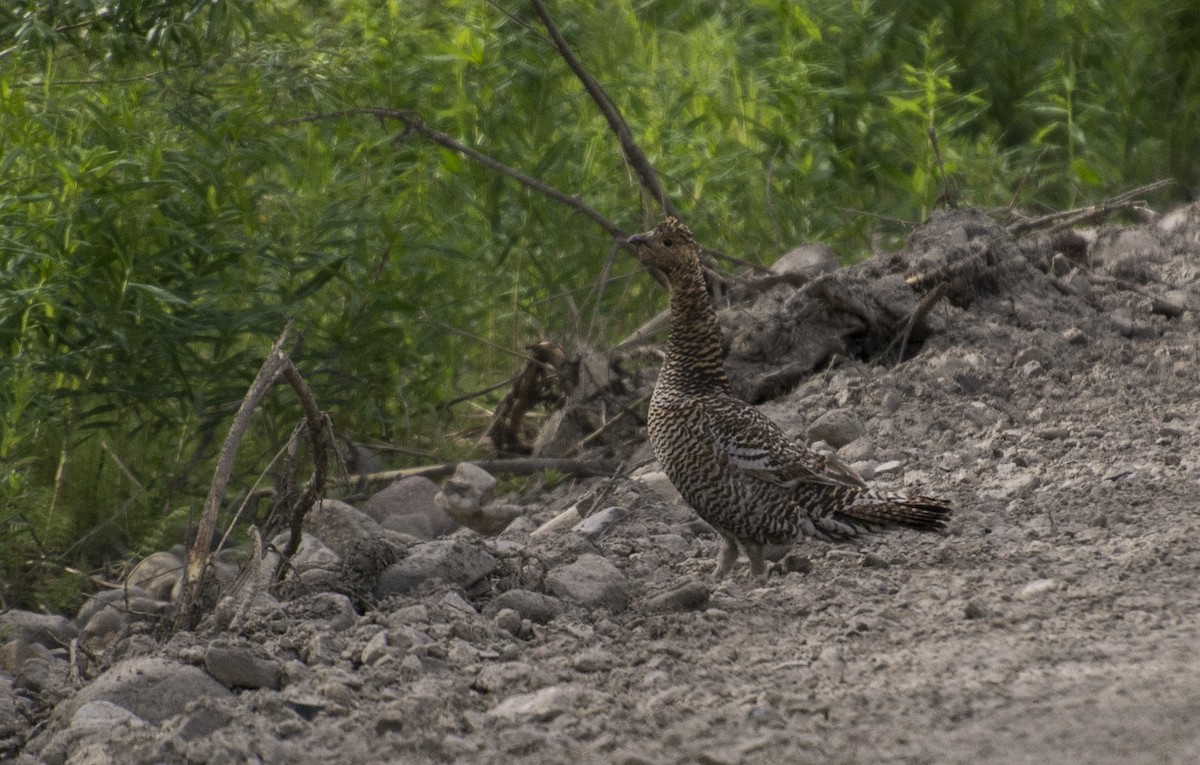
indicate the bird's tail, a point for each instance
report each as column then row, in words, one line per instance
column 892, row 509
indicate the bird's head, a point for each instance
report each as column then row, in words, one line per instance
column 667, row 247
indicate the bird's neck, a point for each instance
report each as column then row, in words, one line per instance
column 695, row 361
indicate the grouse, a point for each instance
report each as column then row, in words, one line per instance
column 732, row 464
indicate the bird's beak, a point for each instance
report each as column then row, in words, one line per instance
column 637, row 239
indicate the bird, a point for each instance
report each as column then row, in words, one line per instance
column 732, row 464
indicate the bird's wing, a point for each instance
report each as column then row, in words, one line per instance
column 763, row 451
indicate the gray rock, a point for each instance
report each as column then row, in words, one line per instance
column 891, row 467
column 203, row 721
column 103, row 715
column 14, row 653
column 152, row 688
column 413, row 525
column 503, row 676
column 691, row 596
column 836, row 428
column 11, row 723
column 326, row 610
column 538, row 706
column 236, row 666
column 595, row 524
column 593, row 660
column 46, row 679
column 313, row 555
column 345, row 529
column 657, row 481
column 858, row 450
column 591, row 581
column 567, row 518
column 29, row 627
column 1123, row 322
column 456, row 561
column 537, row 607
column 408, row 505
column 156, row 574
column 977, row 608
column 807, row 260
column 82, row 739
column 376, row 649
column 466, row 495
column 509, row 620
column 1075, row 336
column 104, row 626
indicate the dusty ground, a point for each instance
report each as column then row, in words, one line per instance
column 1058, row 621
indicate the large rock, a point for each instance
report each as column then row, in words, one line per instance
column 105, row 624
column 591, row 581
column 535, row 606
column 456, row 561
column 466, row 497
column 836, row 428
column 238, row 666
column 152, row 688
column 809, row 260
column 408, row 506
column 344, row 528
column 29, row 627
column 157, row 574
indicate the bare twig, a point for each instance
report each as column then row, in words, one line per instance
column 949, row 193
column 925, row 306
column 319, row 429
column 1025, row 178
column 598, row 432
column 519, row 466
column 121, row 466
column 633, row 153
column 413, row 123
column 1058, row 221
column 187, row 614
column 598, row 290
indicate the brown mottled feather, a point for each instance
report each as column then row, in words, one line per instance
column 732, row 464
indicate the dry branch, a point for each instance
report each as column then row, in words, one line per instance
column 413, row 123
column 1059, row 221
column 187, row 614
column 520, row 466
column 633, row 152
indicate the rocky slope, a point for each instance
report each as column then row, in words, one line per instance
column 1048, row 386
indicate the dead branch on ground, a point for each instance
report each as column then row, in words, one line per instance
column 1064, row 219
column 197, row 575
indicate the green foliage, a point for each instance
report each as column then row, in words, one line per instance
column 163, row 213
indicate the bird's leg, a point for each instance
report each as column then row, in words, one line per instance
column 758, row 566
column 728, row 556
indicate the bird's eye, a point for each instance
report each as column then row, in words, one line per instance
column 668, row 242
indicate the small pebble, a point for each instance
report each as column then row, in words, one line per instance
column 976, row 609
column 508, row 620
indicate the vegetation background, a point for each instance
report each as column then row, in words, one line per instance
column 163, row 214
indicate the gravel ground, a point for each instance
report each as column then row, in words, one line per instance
column 1054, row 401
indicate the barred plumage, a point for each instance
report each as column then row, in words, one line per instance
column 735, row 467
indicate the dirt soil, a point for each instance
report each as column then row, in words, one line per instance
column 1050, row 393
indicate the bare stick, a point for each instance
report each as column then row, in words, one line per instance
column 1067, row 218
column 611, row 113
column 598, row 290
column 949, row 193
column 412, row 122
column 1025, row 178
column 187, row 615
column 318, row 427
column 521, row 466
